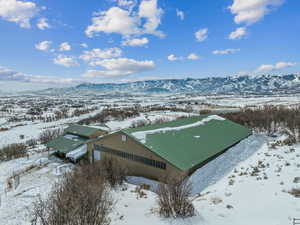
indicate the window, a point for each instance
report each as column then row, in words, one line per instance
column 132, row 157
column 124, row 138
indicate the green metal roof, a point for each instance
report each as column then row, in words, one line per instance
column 188, row 142
column 84, row 131
column 65, row 145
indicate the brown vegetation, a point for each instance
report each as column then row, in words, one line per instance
column 295, row 192
column 48, row 135
column 13, row 151
column 113, row 113
column 113, row 172
column 129, row 112
column 174, row 198
column 269, row 119
column 82, row 197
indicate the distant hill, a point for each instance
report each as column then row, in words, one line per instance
column 262, row 84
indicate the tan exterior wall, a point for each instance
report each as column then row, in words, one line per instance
column 114, row 141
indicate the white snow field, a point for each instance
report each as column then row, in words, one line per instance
column 232, row 190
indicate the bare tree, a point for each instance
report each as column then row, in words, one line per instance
column 48, row 135
column 269, row 119
column 174, row 198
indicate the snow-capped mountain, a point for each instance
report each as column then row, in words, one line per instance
column 263, row 84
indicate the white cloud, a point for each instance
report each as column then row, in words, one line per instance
column 43, row 46
column 180, row 14
column 66, row 61
column 238, row 33
column 282, row 65
column 43, row 24
column 114, row 20
column 265, row 68
column 65, row 46
column 172, row 57
column 277, row 66
column 97, row 54
column 84, row 45
column 128, row 4
column 201, row 34
column 251, row 11
column 104, row 73
column 19, row 12
column 135, row 42
column 148, row 9
column 10, row 75
column 119, row 67
column 226, row 51
column 6, row 73
column 193, row 56
column 126, row 22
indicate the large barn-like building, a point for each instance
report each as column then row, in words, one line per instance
column 175, row 148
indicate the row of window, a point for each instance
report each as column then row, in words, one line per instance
column 129, row 156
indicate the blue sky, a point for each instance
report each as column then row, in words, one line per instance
column 122, row 40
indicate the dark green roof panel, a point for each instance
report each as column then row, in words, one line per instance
column 84, row 131
column 188, row 142
column 65, row 145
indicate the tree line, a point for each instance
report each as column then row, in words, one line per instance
column 270, row 119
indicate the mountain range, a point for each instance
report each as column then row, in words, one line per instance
column 262, row 84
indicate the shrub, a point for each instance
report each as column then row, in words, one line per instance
column 31, row 143
column 48, row 135
column 173, row 198
column 13, row 151
column 295, row 192
column 83, row 197
column 113, row 172
column 205, row 111
column 139, row 123
column 111, row 113
column 270, row 119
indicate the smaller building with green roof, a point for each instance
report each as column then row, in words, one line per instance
column 72, row 143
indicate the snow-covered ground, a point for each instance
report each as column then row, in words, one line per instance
column 33, row 130
column 246, row 101
column 2, row 121
column 16, row 203
column 151, row 116
column 232, row 191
